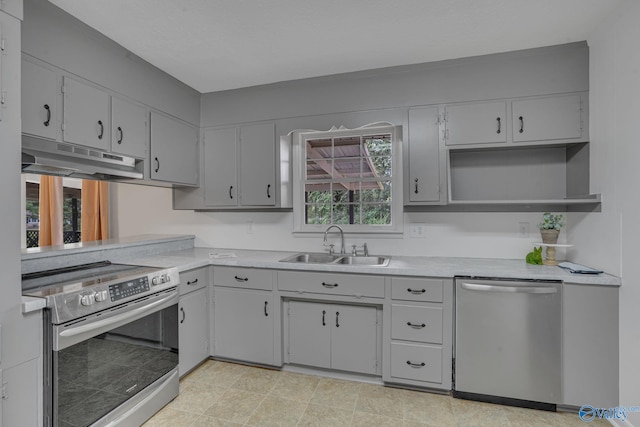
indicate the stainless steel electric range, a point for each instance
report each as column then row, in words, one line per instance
column 110, row 342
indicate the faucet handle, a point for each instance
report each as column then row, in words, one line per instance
column 354, row 250
column 331, row 250
column 365, row 249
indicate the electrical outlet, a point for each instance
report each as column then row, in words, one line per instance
column 418, row 231
column 250, row 227
column 523, row 229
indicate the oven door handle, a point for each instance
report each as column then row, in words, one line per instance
column 117, row 320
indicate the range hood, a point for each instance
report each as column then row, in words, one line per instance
column 54, row 158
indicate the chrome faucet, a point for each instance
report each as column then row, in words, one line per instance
column 324, row 241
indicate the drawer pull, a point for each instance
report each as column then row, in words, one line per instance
column 337, row 319
column 192, row 282
column 416, row 325
column 241, row 279
column 416, row 291
column 48, row 121
column 329, row 285
column 266, row 313
column 324, row 312
column 415, row 365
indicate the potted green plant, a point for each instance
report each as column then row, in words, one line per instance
column 550, row 227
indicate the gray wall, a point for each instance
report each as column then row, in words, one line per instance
column 54, row 36
column 555, row 69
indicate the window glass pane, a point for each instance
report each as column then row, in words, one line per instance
column 347, row 147
column 376, row 192
column 344, row 213
column 318, row 193
column 318, row 214
column 377, row 167
column 318, row 169
column 377, row 145
column 319, row 148
column 376, row 214
column 347, row 167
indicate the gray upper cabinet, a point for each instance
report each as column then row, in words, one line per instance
column 424, row 178
column 129, row 128
column 12, row 7
column 548, row 118
column 220, row 180
column 257, row 165
column 40, row 89
column 174, row 151
column 86, row 115
column 240, row 167
column 477, row 123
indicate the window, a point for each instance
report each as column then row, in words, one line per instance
column 71, row 205
column 348, row 177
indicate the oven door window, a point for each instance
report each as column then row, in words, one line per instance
column 95, row 376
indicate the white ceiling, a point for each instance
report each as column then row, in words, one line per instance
column 214, row 45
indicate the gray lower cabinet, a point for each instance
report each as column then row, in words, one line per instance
column 19, row 405
column 419, row 333
column 193, row 318
column 424, row 180
column 590, row 348
column 174, row 150
column 85, row 115
column 40, row 89
column 334, row 336
column 244, row 325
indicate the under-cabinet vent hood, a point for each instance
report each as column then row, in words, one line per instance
column 53, row 158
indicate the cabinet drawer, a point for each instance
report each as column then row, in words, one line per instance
column 241, row 277
column 416, row 362
column 193, row 279
column 411, row 289
column 415, row 323
column 335, row 284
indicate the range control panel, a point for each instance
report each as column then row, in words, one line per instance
column 122, row 290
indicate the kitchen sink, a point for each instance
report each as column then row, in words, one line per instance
column 381, row 261
column 320, row 258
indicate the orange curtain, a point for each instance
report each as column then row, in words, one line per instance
column 95, row 210
column 50, row 211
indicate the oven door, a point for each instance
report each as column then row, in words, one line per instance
column 102, row 364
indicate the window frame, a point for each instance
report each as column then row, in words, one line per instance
column 299, row 175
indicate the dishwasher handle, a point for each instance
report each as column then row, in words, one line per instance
column 511, row 289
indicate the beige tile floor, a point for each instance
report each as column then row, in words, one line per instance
column 227, row 394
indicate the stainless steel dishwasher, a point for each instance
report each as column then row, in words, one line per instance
column 508, row 342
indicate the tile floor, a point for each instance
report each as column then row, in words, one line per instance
column 227, row 394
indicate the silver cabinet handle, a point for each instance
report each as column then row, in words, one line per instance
column 416, row 325
column 230, row 190
column 266, row 313
column 184, row 315
column 329, row 285
column 499, row 125
column 416, row 291
column 268, row 191
column 324, row 312
column 119, row 141
column 241, row 279
column 416, row 184
column 337, row 319
column 511, row 289
column 521, row 124
column 101, row 129
column 193, row 282
column 415, row 365
column 157, row 164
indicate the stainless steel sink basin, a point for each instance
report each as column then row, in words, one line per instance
column 320, row 258
column 381, row 261
column 312, row 258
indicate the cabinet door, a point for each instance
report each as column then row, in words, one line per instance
column 40, row 90
column 354, row 343
column 220, row 183
column 129, row 135
column 19, row 402
column 85, row 115
column 424, row 156
column 174, row 151
column 481, row 123
column 257, row 165
column 557, row 117
column 243, row 322
column 194, row 332
column 310, row 334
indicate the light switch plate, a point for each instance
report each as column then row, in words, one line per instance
column 418, row 230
